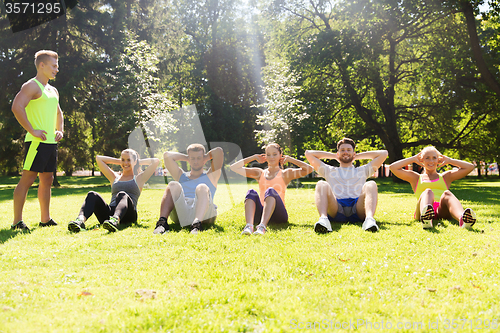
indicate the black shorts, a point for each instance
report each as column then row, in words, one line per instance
column 40, row 157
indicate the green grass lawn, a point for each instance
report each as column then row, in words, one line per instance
column 218, row 280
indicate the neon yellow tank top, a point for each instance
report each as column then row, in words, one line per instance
column 42, row 114
column 437, row 186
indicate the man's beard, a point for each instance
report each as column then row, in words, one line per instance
column 196, row 170
column 346, row 159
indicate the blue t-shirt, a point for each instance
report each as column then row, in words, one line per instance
column 189, row 185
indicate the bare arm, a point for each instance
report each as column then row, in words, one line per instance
column 464, row 168
column 143, row 177
column 28, row 91
column 59, row 124
column 292, row 173
column 216, row 156
column 314, row 157
column 239, row 166
column 102, row 163
column 171, row 158
column 407, row 175
column 377, row 156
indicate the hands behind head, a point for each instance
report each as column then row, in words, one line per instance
column 443, row 160
column 261, row 158
column 284, row 159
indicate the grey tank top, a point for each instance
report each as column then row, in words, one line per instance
column 130, row 187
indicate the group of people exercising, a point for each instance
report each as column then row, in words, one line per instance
column 344, row 196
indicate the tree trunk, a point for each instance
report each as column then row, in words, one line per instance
column 486, row 75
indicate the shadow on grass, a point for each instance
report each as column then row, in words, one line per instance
column 6, row 234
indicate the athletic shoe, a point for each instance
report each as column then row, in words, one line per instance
column 261, row 229
column 50, row 223
column 161, row 226
column 323, row 225
column 111, row 225
column 20, row 226
column 370, row 225
column 248, row 230
column 196, row 227
column 468, row 219
column 76, row 225
column 426, row 216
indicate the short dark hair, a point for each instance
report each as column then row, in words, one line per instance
column 196, row 147
column 346, row 141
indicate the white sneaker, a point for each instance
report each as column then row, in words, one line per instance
column 248, row 230
column 426, row 216
column 323, row 225
column 261, row 229
column 468, row 219
column 370, row 225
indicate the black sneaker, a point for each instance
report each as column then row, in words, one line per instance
column 20, row 226
column 161, row 226
column 111, row 225
column 76, row 226
column 50, row 223
column 196, row 227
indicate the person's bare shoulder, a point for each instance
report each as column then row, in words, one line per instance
column 31, row 89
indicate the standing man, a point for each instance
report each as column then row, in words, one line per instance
column 36, row 108
column 345, row 196
column 190, row 197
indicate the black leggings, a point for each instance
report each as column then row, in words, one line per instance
column 95, row 204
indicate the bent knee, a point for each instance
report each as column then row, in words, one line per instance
column 370, row 185
column 91, row 194
column 322, row 185
column 173, row 185
column 446, row 194
column 202, row 188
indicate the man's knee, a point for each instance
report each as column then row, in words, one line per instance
column 370, row 186
column 202, row 189
column 322, row 187
column 174, row 188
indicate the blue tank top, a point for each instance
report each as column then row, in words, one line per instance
column 189, row 185
column 129, row 186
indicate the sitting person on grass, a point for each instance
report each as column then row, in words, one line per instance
column 435, row 200
column 273, row 181
column 346, row 196
column 125, row 191
column 188, row 200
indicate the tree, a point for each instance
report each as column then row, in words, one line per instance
column 377, row 69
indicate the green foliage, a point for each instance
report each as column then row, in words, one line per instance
column 282, row 110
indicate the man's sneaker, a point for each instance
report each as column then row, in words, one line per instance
column 248, row 230
column 76, row 225
column 261, row 229
column 111, row 225
column 161, row 226
column 468, row 219
column 370, row 225
column 50, row 223
column 426, row 216
column 20, row 226
column 196, row 227
column 323, row 225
